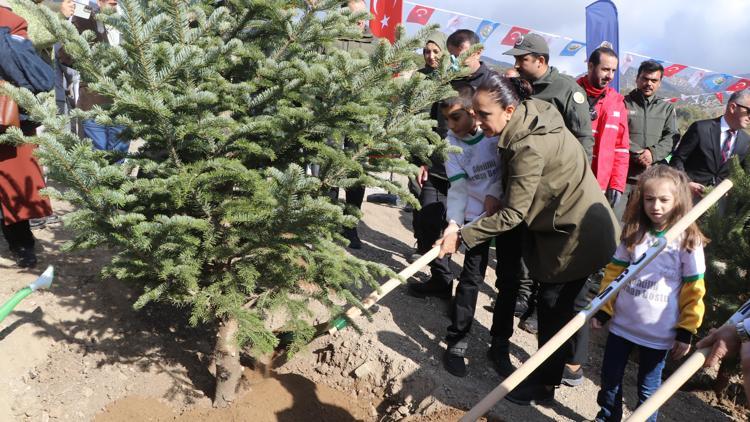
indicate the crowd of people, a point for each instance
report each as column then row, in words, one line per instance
column 570, row 179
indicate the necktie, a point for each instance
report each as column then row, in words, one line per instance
column 726, row 149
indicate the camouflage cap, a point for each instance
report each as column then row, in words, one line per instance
column 528, row 43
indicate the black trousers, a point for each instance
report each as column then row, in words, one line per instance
column 355, row 195
column 465, row 302
column 428, row 224
column 512, row 280
column 555, row 308
column 18, row 235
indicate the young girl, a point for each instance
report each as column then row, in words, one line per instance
column 663, row 307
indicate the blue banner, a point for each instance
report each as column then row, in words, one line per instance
column 572, row 48
column 485, row 29
column 602, row 29
column 716, row 81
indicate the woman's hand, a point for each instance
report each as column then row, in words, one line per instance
column 449, row 243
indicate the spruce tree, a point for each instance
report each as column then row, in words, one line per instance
column 727, row 262
column 215, row 213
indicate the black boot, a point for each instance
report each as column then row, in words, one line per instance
column 453, row 359
column 353, row 237
column 25, row 256
column 499, row 356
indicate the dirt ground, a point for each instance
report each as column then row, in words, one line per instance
column 79, row 352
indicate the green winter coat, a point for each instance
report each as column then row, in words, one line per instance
column 549, row 186
column 653, row 125
column 569, row 98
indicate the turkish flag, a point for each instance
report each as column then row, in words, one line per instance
column 720, row 96
column 420, row 14
column 739, row 85
column 512, row 36
column 386, row 16
column 673, row 69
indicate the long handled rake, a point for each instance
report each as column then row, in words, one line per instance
column 580, row 319
column 682, row 374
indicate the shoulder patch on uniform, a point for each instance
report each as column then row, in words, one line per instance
column 578, row 97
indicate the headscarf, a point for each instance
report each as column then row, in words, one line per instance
column 438, row 38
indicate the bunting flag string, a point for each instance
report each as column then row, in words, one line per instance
column 697, row 83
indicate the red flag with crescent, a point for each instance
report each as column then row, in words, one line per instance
column 420, row 14
column 673, row 69
column 513, row 34
column 739, row 85
column 386, row 16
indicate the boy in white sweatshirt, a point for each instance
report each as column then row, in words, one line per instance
column 475, row 188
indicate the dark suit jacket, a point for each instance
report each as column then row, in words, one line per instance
column 699, row 152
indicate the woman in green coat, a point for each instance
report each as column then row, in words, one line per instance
column 550, row 189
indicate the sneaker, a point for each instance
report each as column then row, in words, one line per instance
column 25, row 256
column 527, row 394
column 37, row 223
column 430, row 288
column 572, row 378
column 353, row 237
column 529, row 325
column 53, row 219
column 499, row 356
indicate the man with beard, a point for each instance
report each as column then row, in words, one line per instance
column 609, row 124
column 609, row 162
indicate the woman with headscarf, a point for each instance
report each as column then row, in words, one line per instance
column 431, row 187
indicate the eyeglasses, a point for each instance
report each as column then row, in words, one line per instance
column 746, row 108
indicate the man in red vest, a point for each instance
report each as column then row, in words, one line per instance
column 609, row 161
column 609, row 124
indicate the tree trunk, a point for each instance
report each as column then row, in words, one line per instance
column 228, row 370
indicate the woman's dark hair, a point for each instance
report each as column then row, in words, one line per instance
column 506, row 91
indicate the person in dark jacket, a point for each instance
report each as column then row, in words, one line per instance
column 550, row 189
column 652, row 124
column 431, row 187
column 708, row 145
column 430, row 221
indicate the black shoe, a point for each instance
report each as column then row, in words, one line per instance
column 25, row 256
column 572, row 378
column 527, row 394
column 413, row 257
column 431, row 288
column 453, row 359
column 522, row 306
column 499, row 357
column 351, row 235
column 529, row 325
column 454, row 364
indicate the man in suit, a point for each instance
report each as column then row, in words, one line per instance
column 705, row 149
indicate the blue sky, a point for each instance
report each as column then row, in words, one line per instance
column 713, row 35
